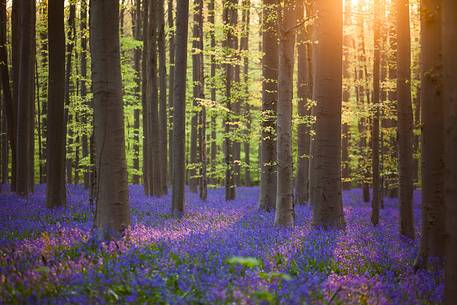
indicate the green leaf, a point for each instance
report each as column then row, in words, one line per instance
column 249, row 262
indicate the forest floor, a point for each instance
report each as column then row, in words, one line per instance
column 218, row 253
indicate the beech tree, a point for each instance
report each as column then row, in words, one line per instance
column 267, row 197
column 25, row 75
column 230, row 19
column 9, row 110
column 433, row 237
column 197, row 141
column 449, row 43
column 304, row 94
column 55, row 154
column 375, row 203
column 112, row 214
column 179, row 107
column 405, row 119
column 327, row 92
column 284, row 202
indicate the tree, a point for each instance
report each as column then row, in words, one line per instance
column 376, row 113
column 198, row 95
column 71, row 35
column 347, row 43
column 136, row 18
column 244, row 48
column 213, row 145
column 9, row 108
column 268, row 180
column 326, row 148
column 83, row 88
column 112, row 214
column 153, row 183
column 405, row 119
column 284, row 203
column 179, row 107
column 230, row 19
column 163, row 115
column 433, row 213
column 25, row 96
column 449, row 43
column 55, row 155
column 304, row 94
column 171, row 80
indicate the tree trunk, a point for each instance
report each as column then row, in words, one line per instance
column 230, row 48
column 136, row 18
column 326, row 150
column 55, row 155
column 347, row 43
column 213, row 145
column 83, row 89
column 376, row 113
column 163, row 115
column 405, row 119
column 179, row 107
column 71, row 35
column 197, row 48
column 25, row 97
column 152, row 138
column 171, row 80
column 270, row 59
column 112, row 213
column 199, row 94
column 284, row 214
column 9, row 107
column 449, row 40
column 244, row 47
column 433, row 239
column 304, row 92
column 145, row 52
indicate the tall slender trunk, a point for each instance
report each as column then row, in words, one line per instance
column 284, row 214
column 112, row 212
column 270, row 59
column 15, row 54
column 25, row 97
column 326, row 149
column 304, row 94
column 55, row 156
column 9, row 107
column 145, row 52
column 392, row 181
column 68, row 88
column 230, row 48
column 179, row 107
column 213, row 145
column 171, row 80
column 199, row 94
column 376, row 113
column 83, row 89
column 152, row 138
column 433, row 239
column 347, row 43
column 163, row 113
column 136, row 18
column 194, row 163
column 244, row 47
column 405, row 119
